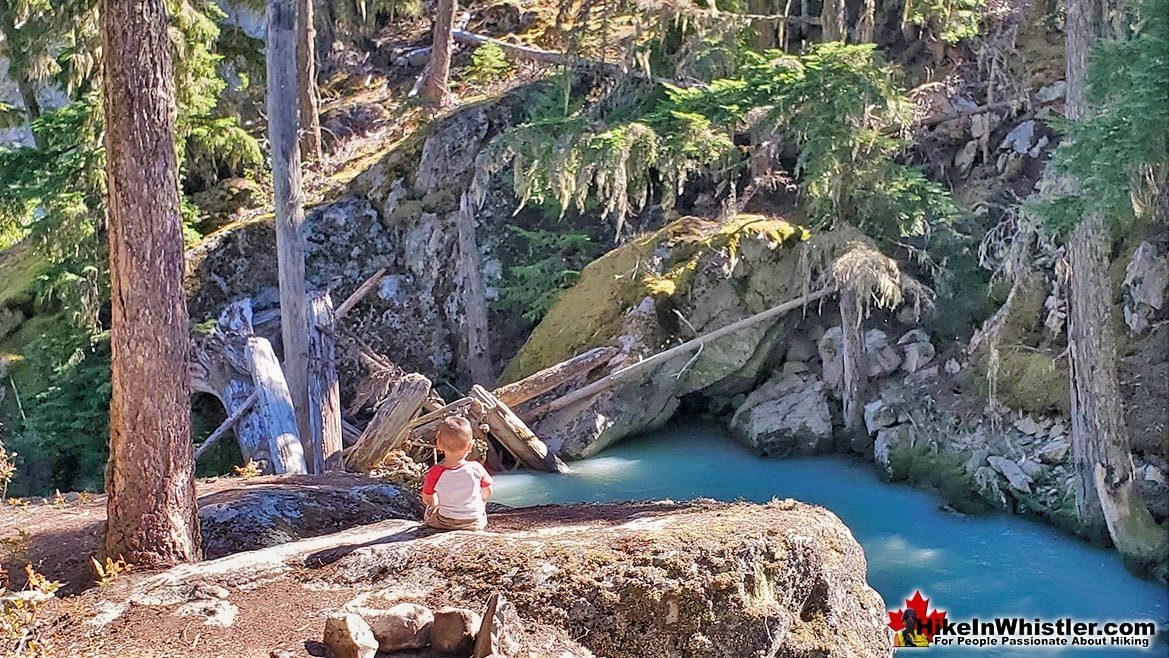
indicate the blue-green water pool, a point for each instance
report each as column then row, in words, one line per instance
column 981, row 567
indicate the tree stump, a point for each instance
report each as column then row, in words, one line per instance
column 323, row 390
column 390, row 424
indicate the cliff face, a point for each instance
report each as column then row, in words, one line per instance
column 636, row 580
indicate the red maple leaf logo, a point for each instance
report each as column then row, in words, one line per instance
column 930, row 621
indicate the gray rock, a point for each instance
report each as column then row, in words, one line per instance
column 1015, row 476
column 882, row 357
column 1031, row 467
column 953, row 367
column 1054, row 451
column 277, row 509
column 800, row 349
column 914, row 336
column 404, row 626
column 889, row 440
column 348, row 636
column 1028, row 425
column 453, row 631
column 879, row 415
column 1052, row 92
column 794, row 367
column 917, row 355
column 831, row 347
column 1021, row 138
column 215, row 612
column 964, row 159
column 1039, row 146
column 1145, row 280
column 788, row 414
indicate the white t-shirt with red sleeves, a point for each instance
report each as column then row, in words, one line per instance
column 459, row 489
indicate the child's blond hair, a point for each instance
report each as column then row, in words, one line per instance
column 454, row 433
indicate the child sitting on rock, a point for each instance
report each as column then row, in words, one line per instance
column 455, row 491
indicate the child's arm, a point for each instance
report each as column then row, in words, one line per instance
column 485, row 482
column 429, row 497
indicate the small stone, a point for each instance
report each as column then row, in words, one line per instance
column 1020, row 139
column 215, row 612
column 953, row 367
column 794, row 367
column 1031, row 467
column 404, row 626
column 1028, row 426
column 878, row 416
column 453, row 631
column 1039, row 146
column 914, row 336
column 964, row 159
column 1057, row 430
column 1052, row 92
column 917, row 355
column 1015, row 476
column 881, row 356
column 349, row 636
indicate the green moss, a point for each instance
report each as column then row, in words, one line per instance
column 590, row 313
column 20, row 266
column 945, row 472
column 1029, row 380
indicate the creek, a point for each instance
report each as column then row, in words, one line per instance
column 969, row 566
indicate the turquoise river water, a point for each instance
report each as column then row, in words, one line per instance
column 981, row 567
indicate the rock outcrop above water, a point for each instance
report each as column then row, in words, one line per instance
column 644, row 580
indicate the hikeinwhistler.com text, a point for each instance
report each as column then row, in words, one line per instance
column 1020, row 632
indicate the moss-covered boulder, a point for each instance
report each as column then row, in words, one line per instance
column 689, row 278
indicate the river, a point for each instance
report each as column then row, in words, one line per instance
column 985, row 566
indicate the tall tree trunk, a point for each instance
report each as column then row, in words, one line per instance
column 286, row 184
column 1106, row 495
column 436, row 87
column 16, row 69
column 152, row 517
column 855, row 376
column 477, row 355
column 832, row 21
column 306, row 71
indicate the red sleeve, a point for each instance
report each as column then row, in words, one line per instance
column 485, row 479
column 431, row 479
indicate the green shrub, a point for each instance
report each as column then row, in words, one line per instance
column 488, row 63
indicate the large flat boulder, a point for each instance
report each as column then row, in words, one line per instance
column 631, row 580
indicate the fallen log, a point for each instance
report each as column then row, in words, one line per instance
column 514, row 435
column 359, row 294
column 549, row 378
column 476, row 342
column 274, row 408
column 226, row 425
column 621, row 375
column 324, row 395
column 390, row 425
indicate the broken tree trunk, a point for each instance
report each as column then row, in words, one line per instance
column 274, row 408
column 390, row 424
column 539, row 383
column 514, row 435
column 477, row 359
column 658, row 359
column 323, row 390
column 855, row 376
column 220, row 368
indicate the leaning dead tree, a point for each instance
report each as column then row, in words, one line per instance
column 240, row 369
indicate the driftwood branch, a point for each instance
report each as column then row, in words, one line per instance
column 390, row 425
column 226, row 425
column 275, row 410
column 621, row 375
column 514, row 434
column 359, row 294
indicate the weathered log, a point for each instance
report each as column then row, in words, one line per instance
column 549, row 378
column 323, row 389
column 515, row 436
column 359, row 294
column 658, row 359
column 390, row 424
column 350, row 433
column 476, row 359
column 226, row 425
column 219, row 367
column 274, row 408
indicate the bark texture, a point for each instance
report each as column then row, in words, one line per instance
column 306, row 71
column 436, row 87
column 855, row 369
column 289, row 202
column 324, row 389
column 1105, row 488
column 152, row 517
column 477, row 345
